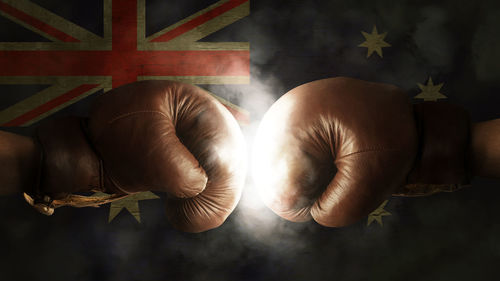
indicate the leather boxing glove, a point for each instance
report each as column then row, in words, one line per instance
column 146, row 136
column 334, row 149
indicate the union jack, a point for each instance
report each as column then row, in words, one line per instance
column 77, row 63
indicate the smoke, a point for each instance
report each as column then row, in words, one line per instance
column 444, row 237
column 485, row 48
column 253, row 226
column 433, row 39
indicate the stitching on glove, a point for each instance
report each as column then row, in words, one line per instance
column 369, row 150
column 136, row 112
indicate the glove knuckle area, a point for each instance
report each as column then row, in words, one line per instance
column 216, row 141
column 178, row 139
column 208, row 209
column 292, row 172
column 362, row 182
column 142, row 152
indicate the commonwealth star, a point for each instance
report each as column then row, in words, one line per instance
column 378, row 214
column 130, row 203
column 374, row 42
column 430, row 92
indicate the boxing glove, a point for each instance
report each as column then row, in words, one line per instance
column 335, row 149
column 158, row 136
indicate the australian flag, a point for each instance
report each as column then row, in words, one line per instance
column 56, row 56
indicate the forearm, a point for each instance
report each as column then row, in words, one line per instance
column 485, row 149
column 18, row 162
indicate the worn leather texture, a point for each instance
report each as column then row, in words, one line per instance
column 158, row 136
column 69, row 164
column 335, row 149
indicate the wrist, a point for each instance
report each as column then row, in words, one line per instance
column 485, row 148
column 19, row 157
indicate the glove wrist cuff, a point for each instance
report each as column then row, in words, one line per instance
column 441, row 163
column 67, row 164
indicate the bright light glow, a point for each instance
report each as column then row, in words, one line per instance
column 255, row 215
column 270, row 167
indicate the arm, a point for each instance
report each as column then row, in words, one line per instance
column 485, row 149
column 18, row 162
column 172, row 137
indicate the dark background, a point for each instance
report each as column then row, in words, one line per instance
column 449, row 236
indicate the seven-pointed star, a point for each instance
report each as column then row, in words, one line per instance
column 374, row 42
column 430, row 92
column 378, row 214
column 130, row 203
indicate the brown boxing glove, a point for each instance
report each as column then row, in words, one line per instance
column 146, row 136
column 334, row 149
